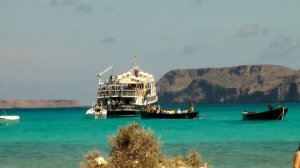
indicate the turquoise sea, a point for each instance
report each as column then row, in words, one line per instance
column 61, row 137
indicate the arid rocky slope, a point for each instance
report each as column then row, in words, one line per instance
column 240, row 84
column 38, row 103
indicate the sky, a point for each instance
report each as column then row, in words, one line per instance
column 53, row 49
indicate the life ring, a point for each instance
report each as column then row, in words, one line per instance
column 270, row 107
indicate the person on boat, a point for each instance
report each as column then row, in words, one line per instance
column 117, row 103
column 158, row 109
column 154, row 108
column 191, row 107
column 97, row 107
column 270, row 107
column 297, row 158
column 113, row 104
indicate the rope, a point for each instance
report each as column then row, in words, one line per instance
column 281, row 114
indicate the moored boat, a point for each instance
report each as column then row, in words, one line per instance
column 123, row 95
column 154, row 115
column 156, row 112
column 97, row 112
column 5, row 119
column 271, row 114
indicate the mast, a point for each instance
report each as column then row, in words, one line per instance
column 135, row 68
column 135, row 61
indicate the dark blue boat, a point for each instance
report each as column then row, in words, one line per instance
column 271, row 114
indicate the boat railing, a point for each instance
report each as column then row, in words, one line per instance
column 116, row 92
column 121, row 106
column 140, row 93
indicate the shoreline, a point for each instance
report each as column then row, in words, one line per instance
column 38, row 104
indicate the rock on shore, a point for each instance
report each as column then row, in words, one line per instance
column 240, row 84
column 38, row 103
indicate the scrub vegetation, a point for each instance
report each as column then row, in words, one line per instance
column 134, row 147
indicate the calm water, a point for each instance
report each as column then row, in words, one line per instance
column 60, row 137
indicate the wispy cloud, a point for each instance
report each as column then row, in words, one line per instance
column 198, row 1
column 252, row 30
column 54, row 3
column 70, row 2
column 85, row 8
column 76, row 4
column 191, row 49
column 282, row 47
column 109, row 40
column 280, row 42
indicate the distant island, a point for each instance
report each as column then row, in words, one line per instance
column 24, row 103
column 239, row 84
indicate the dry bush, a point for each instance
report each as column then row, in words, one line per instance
column 193, row 160
column 90, row 160
column 134, row 147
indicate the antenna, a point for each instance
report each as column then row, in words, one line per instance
column 135, row 62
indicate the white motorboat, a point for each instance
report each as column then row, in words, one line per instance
column 6, row 119
column 96, row 112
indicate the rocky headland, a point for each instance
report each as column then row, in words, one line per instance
column 239, row 84
column 38, row 103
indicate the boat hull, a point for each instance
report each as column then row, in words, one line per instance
column 150, row 115
column 115, row 113
column 274, row 114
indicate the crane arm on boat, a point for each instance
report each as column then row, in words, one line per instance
column 103, row 72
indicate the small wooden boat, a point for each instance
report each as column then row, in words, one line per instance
column 154, row 115
column 271, row 114
column 154, row 112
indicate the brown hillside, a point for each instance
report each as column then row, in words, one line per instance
column 240, row 84
column 38, row 103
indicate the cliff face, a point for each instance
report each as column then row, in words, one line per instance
column 241, row 84
column 38, row 103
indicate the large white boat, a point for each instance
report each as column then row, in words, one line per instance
column 124, row 94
